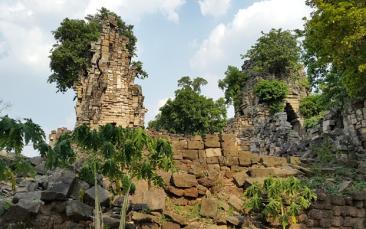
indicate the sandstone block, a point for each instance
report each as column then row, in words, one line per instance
column 212, row 160
column 208, row 207
column 179, row 144
column 261, row 172
column 170, row 225
column 213, row 152
column 190, row 154
column 191, row 192
column 184, row 180
column 236, row 202
column 272, row 161
column 212, row 141
column 240, row 178
column 176, row 191
column 195, row 145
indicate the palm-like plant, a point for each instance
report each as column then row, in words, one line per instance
column 279, row 199
column 14, row 135
column 120, row 154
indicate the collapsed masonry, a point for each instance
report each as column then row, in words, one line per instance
column 108, row 93
column 258, row 131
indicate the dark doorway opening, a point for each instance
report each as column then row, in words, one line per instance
column 292, row 118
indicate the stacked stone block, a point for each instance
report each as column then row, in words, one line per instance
column 107, row 94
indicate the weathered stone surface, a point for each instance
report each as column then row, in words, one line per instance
column 212, row 141
column 176, row 191
column 176, row 218
column 270, row 161
column 170, row 225
column 103, row 195
column 236, row 202
column 213, row 152
column 235, row 220
column 184, row 180
column 191, row 192
column 240, row 178
column 59, row 185
column 108, row 93
column 190, row 154
column 195, row 145
column 208, row 207
column 261, row 172
column 78, row 210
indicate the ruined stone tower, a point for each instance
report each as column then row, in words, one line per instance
column 108, row 93
column 256, row 129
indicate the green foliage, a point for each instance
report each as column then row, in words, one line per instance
column 335, row 47
column 70, row 56
column 190, row 112
column 275, row 52
column 311, row 105
column 313, row 121
column 279, row 198
column 14, row 135
column 272, row 92
column 232, row 84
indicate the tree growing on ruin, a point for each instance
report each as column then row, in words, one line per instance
column 232, row 85
column 190, row 112
column 334, row 48
column 70, row 56
column 276, row 52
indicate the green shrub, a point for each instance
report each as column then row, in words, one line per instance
column 272, row 92
column 279, row 199
column 311, row 105
column 313, row 121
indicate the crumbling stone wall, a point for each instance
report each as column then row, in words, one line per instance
column 255, row 126
column 108, row 93
column 344, row 128
column 332, row 211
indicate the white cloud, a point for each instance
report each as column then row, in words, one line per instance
column 226, row 42
column 214, row 7
column 134, row 10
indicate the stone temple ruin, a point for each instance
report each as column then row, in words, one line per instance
column 257, row 131
column 108, row 93
column 213, row 170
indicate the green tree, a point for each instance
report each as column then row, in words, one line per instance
column 279, row 198
column 311, row 105
column 272, row 93
column 335, row 48
column 71, row 54
column 190, row 112
column 276, row 52
column 14, row 135
column 232, row 85
column 122, row 155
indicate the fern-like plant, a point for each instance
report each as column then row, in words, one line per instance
column 279, row 199
column 121, row 154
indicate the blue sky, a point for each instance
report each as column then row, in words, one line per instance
column 175, row 38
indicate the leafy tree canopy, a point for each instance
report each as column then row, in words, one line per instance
column 335, row 48
column 232, row 84
column 70, row 56
column 276, row 52
column 190, row 112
